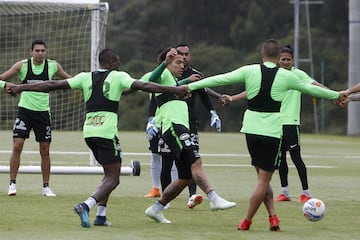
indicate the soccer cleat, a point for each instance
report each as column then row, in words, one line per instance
column 102, row 221
column 274, row 223
column 154, row 192
column 283, row 198
column 12, row 189
column 83, row 211
column 46, row 191
column 221, row 204
column 244, row 225
column 303, row 198
column 194, row 200
column 156, row 215
column 167, row 206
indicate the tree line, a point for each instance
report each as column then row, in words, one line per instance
column 224, row 35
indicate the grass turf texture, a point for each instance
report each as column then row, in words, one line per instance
column 333, row 169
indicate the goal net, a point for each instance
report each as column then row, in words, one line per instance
column 74, row 32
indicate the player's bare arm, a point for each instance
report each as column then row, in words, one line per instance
column 154, row 87
column 227, row 99
column 15, row 69
column 61, row 72
column 40, row 87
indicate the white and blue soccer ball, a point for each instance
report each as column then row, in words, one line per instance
column 314, row 209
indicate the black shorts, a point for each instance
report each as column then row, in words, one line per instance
column 291, row 137
column 185, row 151
column 39, row 121
column 106, row 151
column 264, row 151
column 154, row 144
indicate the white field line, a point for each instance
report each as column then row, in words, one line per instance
column 217, row 155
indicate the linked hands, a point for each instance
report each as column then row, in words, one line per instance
column 225, row 100
column 12, row 89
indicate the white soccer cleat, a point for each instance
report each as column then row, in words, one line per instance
column 221, row 204
column 12, row 189
column 156, row 215
column 46, row 191
column 194, row 200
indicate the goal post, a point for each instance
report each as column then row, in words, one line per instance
column 74, row 32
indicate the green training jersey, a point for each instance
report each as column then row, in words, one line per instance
column 291, row 104
column 36, row 101
column 102, row 124
column 2, row 84
column 173, row 111
column 263, row 123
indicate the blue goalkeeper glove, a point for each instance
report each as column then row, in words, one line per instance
column 215, row 120
column 151, row 129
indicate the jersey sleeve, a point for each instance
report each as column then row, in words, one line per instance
column 2, row 84
column 78, row 81
column 310, row 89
column 303, row 76
column 233, row 77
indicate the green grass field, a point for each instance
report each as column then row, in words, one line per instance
column 333, row 168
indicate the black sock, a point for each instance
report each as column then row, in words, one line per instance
column 46, row 185
column 12, row 181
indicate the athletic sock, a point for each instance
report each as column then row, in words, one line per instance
column 285, row 191
column 155, row 169
column 45, row 185
column 90, row 202
column 306, row 192
column 212, row 196
column 12, row 181
column 101, row 211
column 158, row 206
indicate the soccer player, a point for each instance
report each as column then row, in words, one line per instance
column 167, row 169
column 290, row 108
column 102, row 91
column 266, row 86
column 184, row 50
column 174, row 116
column 34, row 111
column 158, row 152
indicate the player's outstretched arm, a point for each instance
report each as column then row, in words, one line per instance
column 227, row 99
column 45, row 86
column 157, row 88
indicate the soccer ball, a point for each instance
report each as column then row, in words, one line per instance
column 314, row 209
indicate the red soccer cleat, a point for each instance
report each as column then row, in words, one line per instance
column 244, row 225
column 303, row 198
column 274, row 223
column 282, row 198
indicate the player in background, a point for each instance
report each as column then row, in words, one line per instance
column 184, row 50
column 102, row 92
column 174, row 116
column 291, row 109
column 266, row 86
column 33, row 111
